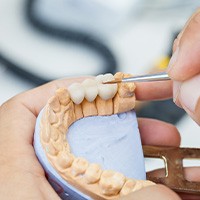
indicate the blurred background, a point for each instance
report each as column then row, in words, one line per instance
column 41, row 40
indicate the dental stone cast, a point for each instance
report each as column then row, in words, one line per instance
column 67, row 106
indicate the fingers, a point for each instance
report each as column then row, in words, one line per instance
column 156, row 192
column 184, row 68
column 154, row 91
column 187, row 95
column 185, row 61
column 191, row 175
column 155, row 132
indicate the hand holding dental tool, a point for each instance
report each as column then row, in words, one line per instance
column 184, row 68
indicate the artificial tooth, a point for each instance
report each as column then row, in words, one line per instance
column 111, row 182
column 128, row 187
column 79, row 166
column 106, row 91
column 91, row 89
column 108, row 77
column 99, row 78
column 93, row 173
column 76, row 91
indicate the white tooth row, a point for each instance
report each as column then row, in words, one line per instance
column 90, row 88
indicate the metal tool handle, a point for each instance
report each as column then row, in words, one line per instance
column 146, row 78
column 174, row 171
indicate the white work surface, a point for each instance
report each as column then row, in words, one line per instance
column 137, row 42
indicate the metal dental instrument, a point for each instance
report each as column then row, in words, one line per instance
column 144, row 78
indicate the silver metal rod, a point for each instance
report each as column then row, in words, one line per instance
column 147, row 78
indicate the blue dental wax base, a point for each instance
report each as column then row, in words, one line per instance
column 111, row 141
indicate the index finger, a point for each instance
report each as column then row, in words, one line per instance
column 158, row 90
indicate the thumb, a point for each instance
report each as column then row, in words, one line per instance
column 155, row 192
column 185, row 61
column 187, row 95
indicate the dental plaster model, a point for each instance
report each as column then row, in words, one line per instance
column 81, row 100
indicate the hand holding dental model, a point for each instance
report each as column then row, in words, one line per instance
column 102, row 158
column 21, row 175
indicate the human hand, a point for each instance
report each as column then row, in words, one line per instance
column 184, row 68
column 152, row 134
column 21, row 175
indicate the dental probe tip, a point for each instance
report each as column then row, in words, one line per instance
column 113, row 81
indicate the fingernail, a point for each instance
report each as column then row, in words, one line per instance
column 173, row 60
column 190, row 93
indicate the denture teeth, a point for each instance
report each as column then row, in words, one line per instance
column 111, row 182
column 99, row 78
column 76, row 91
column 128, row 187
column 91, row 89
column 79, row 166
column 106, row 91
column 93, row 173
